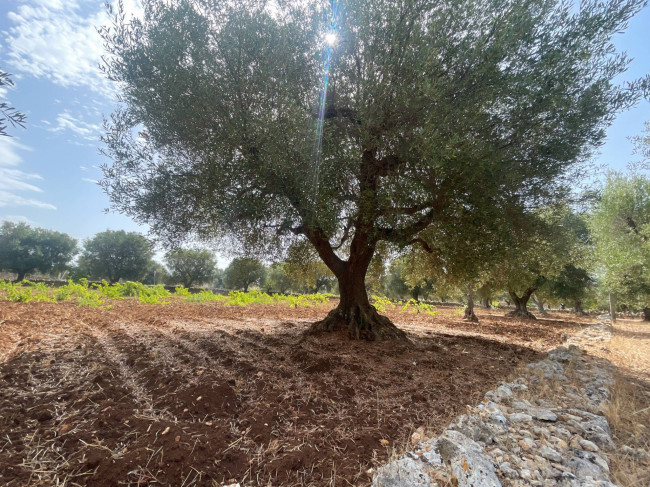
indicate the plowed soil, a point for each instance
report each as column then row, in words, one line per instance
column 204, row 394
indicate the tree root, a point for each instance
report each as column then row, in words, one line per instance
column 360, row 324
column 522, row 314
column 470, row 316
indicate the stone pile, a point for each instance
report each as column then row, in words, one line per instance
column 545, row 428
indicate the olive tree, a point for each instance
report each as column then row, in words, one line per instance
column 242, row 272
column 240, row 123
column 620, row 226
column 115, row 255
column 190, row 266
column 24, row 249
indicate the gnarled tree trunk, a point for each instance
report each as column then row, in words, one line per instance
column 521, row 310
column 354, row 314
column 537, row 301
column 646, row 313
column 486, row 302
column 21, row 276
column 469, row 309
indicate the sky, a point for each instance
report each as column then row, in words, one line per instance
column 49, row 172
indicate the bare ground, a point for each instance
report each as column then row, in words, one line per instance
column 208, row 394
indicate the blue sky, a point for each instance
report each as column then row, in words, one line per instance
column 48, row 171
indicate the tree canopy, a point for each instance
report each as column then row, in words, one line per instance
column 620, row 227
column 190, row 266
column 115, row 255
column 240, row 123
column 243, row 272
column 24, row 249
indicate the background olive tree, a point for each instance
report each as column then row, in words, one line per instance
column 620, row 226
column 115, row 255
column 243, row 272
column 24, row 249
column 190, row 266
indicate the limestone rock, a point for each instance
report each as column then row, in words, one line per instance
column 404, row 472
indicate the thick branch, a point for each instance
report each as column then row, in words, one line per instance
column 420, row 241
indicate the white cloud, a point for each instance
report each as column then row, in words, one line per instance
column 18, row 219
column 58, row 40
column 14, row 181
column 66, row 121
column 89, row 180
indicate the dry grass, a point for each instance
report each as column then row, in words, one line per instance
column 629, row 410
column 628, row 414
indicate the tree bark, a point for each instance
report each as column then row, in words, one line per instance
column 521, row 310
column 469, row 309
column 537, row 301
column 21, row 276
column 486, row 303
column 646, row 313
column 577, row 308
column 612, row 307
column 355, row 315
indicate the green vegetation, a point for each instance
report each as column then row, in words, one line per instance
column 24, row 249
column 620, row 227
column 96, row 294
column 190, row 266
column 9, row 114
column 115, row 255
column 244, row 272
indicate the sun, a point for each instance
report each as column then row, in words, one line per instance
column 331, row 38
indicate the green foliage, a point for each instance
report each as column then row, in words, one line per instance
column 382, row 303
column 116, row 255
column 244, row 272
column 277, row 279
column 181, row 291
column 204, row 296
column 572, row 284
column 414, row 306
column 24, row 249
column 9, row 114
column 620, row 226
column 25, row 291
column 238, row 298
column 304, row 268
column 189, row 266
column 442, row 115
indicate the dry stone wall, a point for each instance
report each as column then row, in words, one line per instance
column 546, row 428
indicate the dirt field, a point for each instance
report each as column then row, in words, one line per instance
column 208, row 394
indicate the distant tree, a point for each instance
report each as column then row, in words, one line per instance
column 430, row 107
column 395, row 283
column 156, row 274
column 188, row 266
column 546, row 241
column 219, row 275
column 620, row 226
column 573, row 285
column 243, row 272
column 9, row 114
column 276, row 279
column 115, row 255
column 404, row 282
column 24, row 249
column 304, row 267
